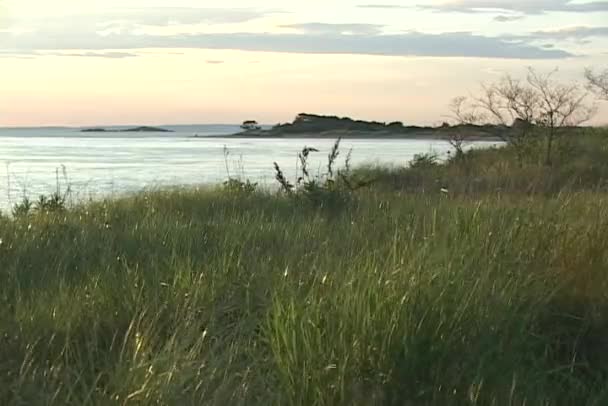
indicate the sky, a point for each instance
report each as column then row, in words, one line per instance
column 154, row 62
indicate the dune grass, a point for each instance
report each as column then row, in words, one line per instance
column 580, row 164
column 190, row 297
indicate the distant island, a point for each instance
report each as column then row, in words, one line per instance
column 320, row 126
column 143, row 129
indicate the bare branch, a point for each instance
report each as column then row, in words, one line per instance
column 540, row 102
column 463, row 112
column 598, row 82
column 491, row 101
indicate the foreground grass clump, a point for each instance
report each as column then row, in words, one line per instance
column 193, row 297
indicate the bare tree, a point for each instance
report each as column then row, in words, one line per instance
column 598, row 82
column 537, row 105
column 561, row 106
column 464, row 114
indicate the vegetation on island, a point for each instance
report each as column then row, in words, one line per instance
column 477, row 280
column 314, row 125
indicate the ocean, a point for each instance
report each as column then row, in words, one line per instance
column 35, row 161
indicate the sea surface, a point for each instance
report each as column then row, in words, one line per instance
column 35, row 161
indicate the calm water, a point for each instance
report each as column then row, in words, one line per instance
column 32, row 161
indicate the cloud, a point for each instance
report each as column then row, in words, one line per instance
column 125, row 20
column 385, row 6
column 325, row 28
column 517, row 6
column 150, row 16
column 580, row 35
column 86, row 54
column 457, row 44
column 16, row 55
column 87, row 40
column 570, row 33
column 165, row 16
column 111, row 55
column 506, row 19
column 520, row 6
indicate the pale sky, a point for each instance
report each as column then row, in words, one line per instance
column 101, row 62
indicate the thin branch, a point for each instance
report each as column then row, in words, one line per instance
column 597, row 82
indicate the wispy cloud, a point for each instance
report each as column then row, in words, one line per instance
column 386, row 6
column 111, row 55
column 506, row 19
column 326, row 28
column 570, row 33
column 127, row 20
column 16, row 55
column 155, row 16
column 518, row 6
column 84, row 54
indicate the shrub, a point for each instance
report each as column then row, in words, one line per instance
column 237, row 186
column 45, row 204
column 53, row 203
column 332, row 189
column 422, row 161
column 23, row 208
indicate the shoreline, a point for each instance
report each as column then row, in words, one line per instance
column 418, row 136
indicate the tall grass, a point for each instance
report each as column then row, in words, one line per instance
column 190, row 297
column 580, row 163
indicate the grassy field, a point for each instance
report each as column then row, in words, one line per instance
column 494, row 293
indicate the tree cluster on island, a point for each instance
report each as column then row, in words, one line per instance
column 312, row 123
column 250, row 125
column 306, row 123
